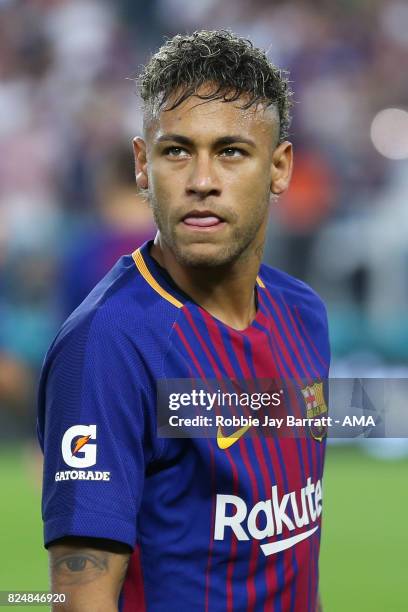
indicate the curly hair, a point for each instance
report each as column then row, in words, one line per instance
column 232, row 64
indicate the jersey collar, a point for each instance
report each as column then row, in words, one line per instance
column 159, row 279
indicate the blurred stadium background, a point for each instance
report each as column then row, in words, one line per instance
column 69, row 209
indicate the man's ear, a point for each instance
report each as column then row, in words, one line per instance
column 281, row 167
column 139, row 149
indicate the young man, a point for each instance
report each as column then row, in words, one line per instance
column 134, row 521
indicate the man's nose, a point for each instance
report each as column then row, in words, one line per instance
column 203, row 180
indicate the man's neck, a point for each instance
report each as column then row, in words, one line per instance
column 227, row 293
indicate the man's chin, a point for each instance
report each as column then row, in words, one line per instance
column 203, row 255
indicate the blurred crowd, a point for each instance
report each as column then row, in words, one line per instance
column 69, row 206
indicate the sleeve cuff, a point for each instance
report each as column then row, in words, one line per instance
column 92, row 526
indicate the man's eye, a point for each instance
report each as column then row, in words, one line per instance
column 232, row 152
column 175, row 152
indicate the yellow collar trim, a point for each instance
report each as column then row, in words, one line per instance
column 144, row 271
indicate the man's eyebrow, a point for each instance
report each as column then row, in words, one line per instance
column 234, row 139
column 175, row 138
column 223, row 141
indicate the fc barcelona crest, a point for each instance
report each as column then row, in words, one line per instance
column 315, row 409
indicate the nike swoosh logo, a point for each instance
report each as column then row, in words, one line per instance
column 274, row 547
column 225, row 442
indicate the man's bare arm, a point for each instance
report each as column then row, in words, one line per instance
column 89, row 571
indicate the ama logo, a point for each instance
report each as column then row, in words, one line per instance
column 79, row 451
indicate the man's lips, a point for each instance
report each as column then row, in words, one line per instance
column 202, row 219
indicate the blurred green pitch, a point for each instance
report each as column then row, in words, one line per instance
column 363, row 564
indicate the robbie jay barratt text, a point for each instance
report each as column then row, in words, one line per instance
column 242, row 421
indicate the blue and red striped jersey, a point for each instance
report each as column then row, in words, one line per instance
column 212, row 527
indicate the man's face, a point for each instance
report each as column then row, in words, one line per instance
column 209, row 168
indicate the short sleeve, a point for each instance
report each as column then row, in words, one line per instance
column 95, row 426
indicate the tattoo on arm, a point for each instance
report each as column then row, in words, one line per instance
column 80, row 561
column 79, row 567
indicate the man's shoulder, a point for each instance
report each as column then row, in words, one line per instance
column 294, row 291
column 296, row 305
column 122, row 305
